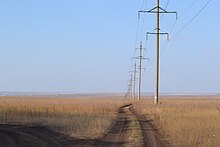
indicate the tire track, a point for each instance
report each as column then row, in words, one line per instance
column 116, row 134
column 151, row 137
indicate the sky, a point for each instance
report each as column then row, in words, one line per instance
column 84, row 46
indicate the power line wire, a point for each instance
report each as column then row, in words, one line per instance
column 165, row 45
column 194, row 17
column 188, row 8
column 137, row 32
column 140, row 30
column 143, row 4
column 168, row 2
column 180, row 16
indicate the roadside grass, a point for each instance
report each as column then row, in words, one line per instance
column 81, row 118
column 186, row 122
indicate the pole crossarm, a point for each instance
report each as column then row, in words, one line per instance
column 141, row 57
column 142, row 48
column 135, row 69
column 142, row 68
column 150, row 33
column 154, row 10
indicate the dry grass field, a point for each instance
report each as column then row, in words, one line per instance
column 186, row 121
column 81, row 118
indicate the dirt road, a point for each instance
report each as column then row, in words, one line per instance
column 129, row 129
column 151, row 137
column 122, row 132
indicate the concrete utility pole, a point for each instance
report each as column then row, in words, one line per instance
column 134, row 86
column 140, row 58
column 156, row 99
column 139, row 78
column 157, row 10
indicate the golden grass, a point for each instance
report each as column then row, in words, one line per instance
column 77, row 117
column 186, row 121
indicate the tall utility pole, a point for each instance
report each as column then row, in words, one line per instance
column 134, row 86
column 157, row 10
column 139, row 78
column 156, row 98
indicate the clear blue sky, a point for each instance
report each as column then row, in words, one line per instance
column 86, row 46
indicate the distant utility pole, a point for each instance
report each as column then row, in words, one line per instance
column 158, row 10
column 139, row 79
column 134, row 86
column 131, row 80
column 128, row 92
column 140, row 58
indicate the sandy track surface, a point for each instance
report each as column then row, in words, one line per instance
column 129, row 129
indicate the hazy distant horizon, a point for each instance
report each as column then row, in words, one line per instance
column 14, row 93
